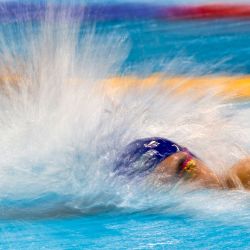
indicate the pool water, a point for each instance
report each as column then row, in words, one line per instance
column 57, row 190
column 129, row 231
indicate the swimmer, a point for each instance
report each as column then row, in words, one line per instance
column 165, row 161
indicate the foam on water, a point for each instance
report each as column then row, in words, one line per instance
column 60, row 129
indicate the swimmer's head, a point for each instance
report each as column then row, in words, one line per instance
column 141, row 157
column 165, row 161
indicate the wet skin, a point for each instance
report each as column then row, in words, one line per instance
column 237, row 177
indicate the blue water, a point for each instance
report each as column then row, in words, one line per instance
column 215, row 220
column 223, row 46
column 129, row 231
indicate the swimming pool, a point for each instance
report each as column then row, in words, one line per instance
column 58, row 139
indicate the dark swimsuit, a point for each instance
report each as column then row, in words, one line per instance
column 142, row 156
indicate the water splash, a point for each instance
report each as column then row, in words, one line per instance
column 60, row 129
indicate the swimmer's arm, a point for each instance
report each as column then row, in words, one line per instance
column 238, row 177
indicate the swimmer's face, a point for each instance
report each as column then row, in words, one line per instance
column 171, row 169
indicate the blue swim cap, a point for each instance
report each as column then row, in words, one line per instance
column 141, row 157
